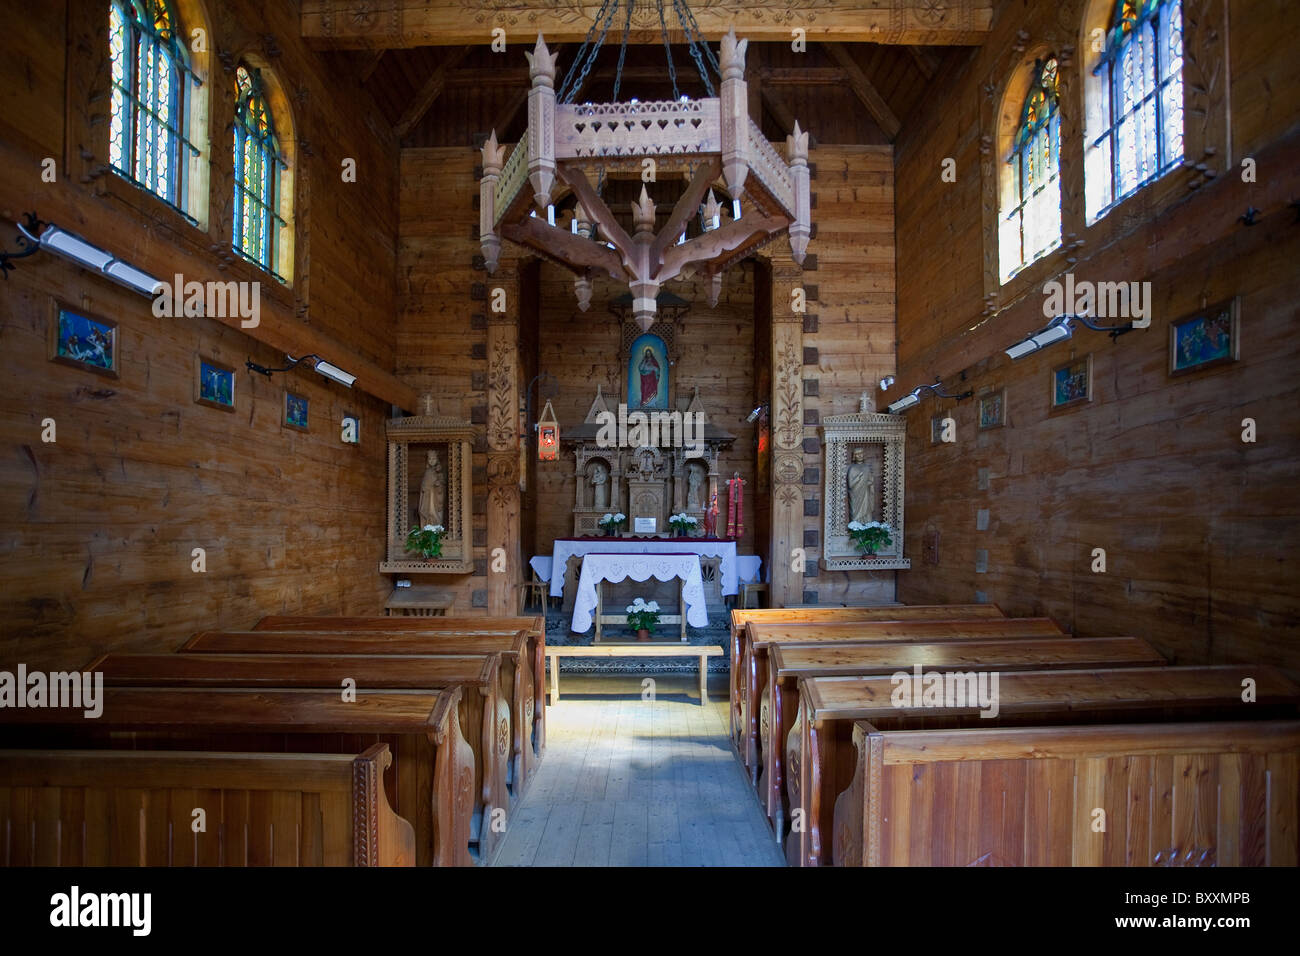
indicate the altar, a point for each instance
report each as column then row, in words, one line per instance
column 565, row 548
column 600, row 567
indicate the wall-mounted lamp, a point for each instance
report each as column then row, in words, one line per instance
column 914, row 397
column 760, row 411
column 85, row 254
column 1059, row 329
column 332, row 372
column 887, row 383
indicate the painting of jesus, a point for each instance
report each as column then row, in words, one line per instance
column 647, row 373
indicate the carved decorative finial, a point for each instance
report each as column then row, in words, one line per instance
column 712, row 213
column 585, row 227
column 715, row 289
column 643, row 213
column 426, row 404
column 796, row 145
column 582, row 289
column 494, row 156
column 731, row 56
column 541, row 64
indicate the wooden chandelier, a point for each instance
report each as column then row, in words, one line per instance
column 700, row 140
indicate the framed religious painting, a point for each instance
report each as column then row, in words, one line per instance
column 83, row 340
column 214, row 384
column 992, row 409
column 295, row 411
column 648, row 373
column 1071, row 383
column 1208, row 338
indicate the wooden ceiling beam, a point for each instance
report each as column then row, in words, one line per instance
column 432, row 89
column 864, row 90
column 776, row 105
column 925, row 60
column 368, row 65
column 364, row 24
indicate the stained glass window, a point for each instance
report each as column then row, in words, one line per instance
column 258, row 166
column 1031, row 217
column 1139, row 134
column 149, row 108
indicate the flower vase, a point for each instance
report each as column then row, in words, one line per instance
column 643, row 634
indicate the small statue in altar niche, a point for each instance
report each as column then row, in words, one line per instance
column 694, row 485
column 711, row 517
column 862, row 488
column 599, row 485
column 735, row 505
column 433, row 489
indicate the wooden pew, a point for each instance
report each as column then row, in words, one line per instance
column 484, row 716
column 759, row 636
column 821, row 758
column 534, row 625
column 829, row 615
column 135, row 808
column 431, row 780
column 788, row 663
column 1182, row 794
column 517, row 674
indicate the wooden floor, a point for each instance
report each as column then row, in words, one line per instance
column 632, row 782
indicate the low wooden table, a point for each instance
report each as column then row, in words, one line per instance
column 420, row 600
column 641, row 649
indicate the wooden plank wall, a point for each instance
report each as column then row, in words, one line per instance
column 98, row 527
column 1200, row 529
column 848, row 332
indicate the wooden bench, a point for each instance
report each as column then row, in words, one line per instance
column 1181, row 794
column 534, row 625
column 789, row 663
column 701, row 651
column 828, row 615
column 821, row 757
column 431, row 781
column 518, row 685
column 136, row 808
column 759, row 636
column 484, row 715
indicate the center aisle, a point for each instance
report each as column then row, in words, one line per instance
column 631, row 782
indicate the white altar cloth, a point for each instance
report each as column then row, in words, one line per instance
column 598, row 566
column 565, row 548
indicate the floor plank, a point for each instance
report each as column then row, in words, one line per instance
column 638, row 779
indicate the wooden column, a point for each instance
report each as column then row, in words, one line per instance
column 503, row 447
column 786, row 418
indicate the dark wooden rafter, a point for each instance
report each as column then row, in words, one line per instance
column 864, row 90
column 925, row 61
column 369, row 63
column 430, row 92
column 777, row 106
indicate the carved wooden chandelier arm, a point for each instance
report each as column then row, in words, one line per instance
column 573, row 251
column 687, row 206
column 713, row 244
column 577, row 180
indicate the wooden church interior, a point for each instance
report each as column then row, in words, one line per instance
column 208, row 507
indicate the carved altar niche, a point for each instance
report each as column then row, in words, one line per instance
column 410, row 440
column 879, row 441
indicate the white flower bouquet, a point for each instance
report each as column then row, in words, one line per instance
column 426, row 541
column 682, row 523
column 642, row 616
column 610, row 523
column 871, row 536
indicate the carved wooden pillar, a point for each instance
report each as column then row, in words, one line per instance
column 503, row 447
column 786, row 418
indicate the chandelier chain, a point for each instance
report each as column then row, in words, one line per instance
column 569, row 89
column 622, row 50
column 695, row 43
column 668, row 52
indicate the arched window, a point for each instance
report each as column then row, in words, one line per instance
column 1030, row 210
column 1135, row 108
column 151, row 80
column 259, row 175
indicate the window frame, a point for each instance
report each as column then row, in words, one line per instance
column 275, row 165
column 1022, row 145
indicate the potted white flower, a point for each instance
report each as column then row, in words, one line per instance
column 643, row 618
column 871, row 536
column 611, row 523
column 426, row 541
column 682, row 523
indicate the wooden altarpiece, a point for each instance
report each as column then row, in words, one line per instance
column 883, row 438
column 454, row 440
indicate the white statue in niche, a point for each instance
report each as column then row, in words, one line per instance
column 599, row 485
column 694, row 486
column 862, row 488
column 433, row 490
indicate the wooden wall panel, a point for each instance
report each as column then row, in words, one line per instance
column 1199, row 528
column 99, row 526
